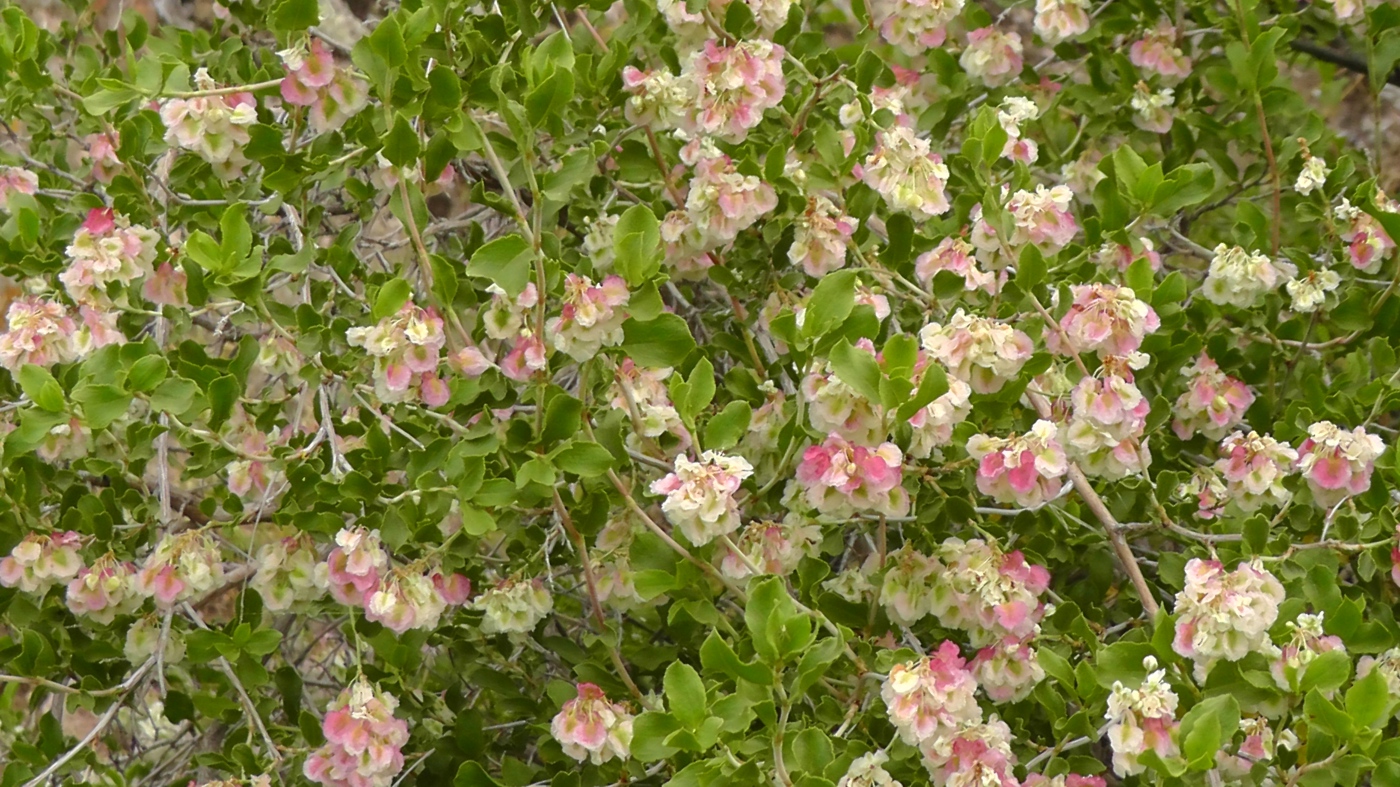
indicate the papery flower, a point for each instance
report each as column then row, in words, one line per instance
column 1108, row 421
column 1368, row 245
column 834, row 407
column 976, row 754
column 1158, row 53
column 64, row 442
column 101, row 591
column 16, row 180
column 1120, row 257
column 771, row 547
column 313, row 80
column 1209, row 490
column 1312, row 176
column 1007, row 670
column 932, row 696
column 598, row 240
column 40, row 561
column 722, row 202
column 700, row 495
column 406, row 347
column 106, row 249
column 101, row 150
column 214, row 127
column 1213, row 404
column 933, row 425
column 1306, row 642
column 642, row 394
column 308, row 68
column 1057, row 20
column 527, row 357
column 355, row 565
column 1014, row 112
column 1387, row 663
column 591, row 316
column 1258, row 746
column 1043, row 217
column 905, row 171
column 1142, row 719
column 1153, row 111
column 990, row 594
column 144, row 637
column 734, row 86
column 1309, row 291
column 658, row 99
column 906, row 592
column 364, row 742
column 1254, row 467
column 982, row 352
column 687, row 250
column 819, row 237
column 182, row 567
column 1024, row 470
column 1224, row 615
column 1240, row 278
column 915, row 26
column 40, row 332
column 840, row 479
column 166, row 286
column 852, row 583
column 1104, row 318
column 868, row 770
column 1336, row 463
column 414, row 597
column 591, row 727
column 289, row 572
column 992, row 57
column 513, row 606
column 956, row 255
column 613, row 579
column 1063, row 780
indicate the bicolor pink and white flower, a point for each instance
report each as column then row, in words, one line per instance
column 591, row 316
column 1240, row 278
column 771, row 547
column 734, row 86
column 1213, row 404
column 1024, row 470
column 868, row 770
column 991, row 594
column 1157, row 52
column 102, row 591
column 289, row 572
column 144, row 637
column 983, row 352
column 933, row 424
column 101, row 150
column 1254, row 467
column 722, row 202
column 1108, row 420
column 1210, row 492
column 414, row 597
column 40, row 561
column 907, row 174
column 1153, row 111
column 700, row 495
column 364, row 741
column 40, row 332
column 834, row 407
column 839, row 478
column 16, row 180
column 915, row 26
column 906, row 591
column 313, row 80
column 1387, row 663
column 1142, row 719
column 819, row 237
column 406, row 347
column 1336, row 463
column 992, row 57
column 1121, row 256
column 513, row 606
column 213, row 127
column 1368, row 244
column 591, row 727
column 1007, row 670
column 355, row 565
column 1043, row 217
column 1306, row 641
column 1058, row 20
column 658, row 98
column 183, row 567
column 975, row 754
column 1103, row 318
column 931, row 697
column 958, row 256
column 106, row 249
column 1224, row 615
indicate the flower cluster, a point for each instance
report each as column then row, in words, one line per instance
column 364, row 742
column 101, row 591
column 1121, row 256
column 992, row 57
column 40, row 332
column 839, row 478
column 833, row 406
column 313, row 80
column 980, row 351
column 1142, row 719
column 415, row 596
column 933, row 424
column 1306, row 642
column 700, row 495
column 1254, row 467
column 1153, row 111
column 590, row 727
column 868, row 770
column 513, row 606
column 1336, row 463
column 1104, row 318
column 991, row 594
column 101, row 150
column 1313, row 175
column 734, row 86
column 977, row 754
column 1309, row 291
column 1042, row 217
column 406, row 347
column 16, row 180
column 1008, row 670
column 213, row 126
column 1015, row 111
column 590, row 317
column 1021, row 469
column 1213, row 404
column 355, row 565
column 915, row 26
column 38, row 561
column 1108, row 421
column 771, row 547
column 1240, row 278
column 1158, row 53
column 183, row 567
column 289, row 572
column 106, row 249
column 721, row 203
column 931, row 697
column 819, row 237
column 1057, row 20
column 958, row 256
column 1224, row 615
column 1368, row 245
column 905, row 171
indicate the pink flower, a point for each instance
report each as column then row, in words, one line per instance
column 933, row 425
column 1336, row 463
column 1368, row 245
column 40, row 332
column 986, row 592
column 1157, row 52
column 820, row 235
column 1121, row 256
column 590, row 317
column 16, row 180
column 1254, row 467
column 734, row 86
column 1224, row 615
column 38, row 561
column 982, row 352
column 771, row 547
column 840, row 479
column 905, row 171
column 1104, row 318
column 1109, row 418
column 1024, row 470
column 659, row 99
column 166, row 286
column 1142, row 720
column 905, row 592
column 1057, row 20
column 1007, row 670
column 355, row 565
column 590, row 727
column 1153, row 111
column 958, row 256
column 721, row 202
column 102, row 591
column 1213, row 404
column 364, row 742
column 915, row 26
column 406, row 347
column 107, row 249
column 700, row 495
column 931, row 697
column 183, row 567
column 837, row 408
column 289, row 572
column 1306, row 642
column 102, row 152
column 1042, row 217
column 1210, row 492
column 992, row 57
column 976, row 754
column 214, row 127
column 313, row 80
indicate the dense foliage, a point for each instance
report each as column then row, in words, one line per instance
column 820, row 393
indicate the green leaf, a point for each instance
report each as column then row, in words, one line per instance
column 471, row 774
column 290, row 16
column 815, row 661
column 476, row 522
column 1327, row 716
column 811, row 751
column 659, row 343
column 699, row 391
column 1327, row 672
column 932, row 385
column 537, row 470
column 767, row 615
column 237, row 236
column 102, row 404
column 41, row 388
column 1128, row 167
column 856, row 368
column 637, row 245
column 1206, row 727
column 685, row 694
column 583, row 458
column 392, row 297
column 505, row 262
column 717, row 656
column 729, row 426
column 649, row 733
column 402, row 146
column 1030, row 270
column 1368, row 700
column 830, row 304
column 174, row 396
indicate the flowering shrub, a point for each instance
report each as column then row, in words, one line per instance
column 795, row 392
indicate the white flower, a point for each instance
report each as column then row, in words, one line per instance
column 1310, row 292
column 1313, row 176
